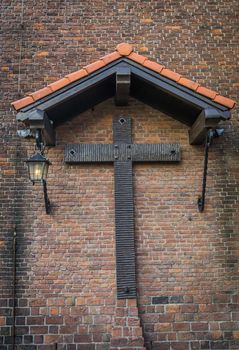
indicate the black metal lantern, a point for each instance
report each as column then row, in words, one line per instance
column 37, row 170
column 37, row 167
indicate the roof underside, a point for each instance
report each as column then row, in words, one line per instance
column 147, row 86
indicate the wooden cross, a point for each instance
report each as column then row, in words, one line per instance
column 123, row 153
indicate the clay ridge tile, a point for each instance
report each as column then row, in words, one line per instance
column 23, row 102
column 153, row 66
column 188, row 83
column 137, row 58
column 111, row 57
column 170, row 74
column 90, row 68
column 124, row 49
column 206, row 92
column 57, row 85
column 227, row 102
column 76, row 75
column 37, row 95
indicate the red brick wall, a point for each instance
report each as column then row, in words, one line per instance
column 187, row 262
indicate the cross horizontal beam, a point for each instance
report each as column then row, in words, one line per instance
column 78, row 153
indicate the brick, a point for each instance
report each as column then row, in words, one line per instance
column 54, row 320
column 104, row 319
column 38, row 330
column 172, row 308
column 56, row 302
column 166, row 318
column 181, row 326
column 54, row 311
column 117, row 332
column 160, row 300
column 133, row 321
column 2, row 321
column 199, row 326
column 180, row 346
column 230, row 326
column 163, row 327
column 118, row 342
column 52, row 339
column 216, row 335
column 84, row 338
column 81, row 301
column 86, row 347
column 21, row 330
column 176, row 299
column 132, row 302
column 42, row 54
column 219, row 345
column 35, row 320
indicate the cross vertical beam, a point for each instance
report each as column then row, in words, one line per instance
column 124, row 209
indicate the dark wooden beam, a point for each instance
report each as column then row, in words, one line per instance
column 38, row 119
column 207, row 119
column 122, row 86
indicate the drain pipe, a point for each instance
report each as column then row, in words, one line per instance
column 14, row 288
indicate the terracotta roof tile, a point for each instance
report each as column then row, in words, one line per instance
column 23, row 102
column 111, row 57
column 94, row 66
column 188, row 83
column 123, row 49
column 153, row 66
column 224, row 101
column 170, row 74
column 137, row 58
column 59, row 84
column 206, row 92
column 40, row 93
column 76, row 75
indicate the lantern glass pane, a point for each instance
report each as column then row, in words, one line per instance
column 36, row 170
column 37, row 167
column 45, row 170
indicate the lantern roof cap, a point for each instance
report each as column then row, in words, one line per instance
column 38, row 157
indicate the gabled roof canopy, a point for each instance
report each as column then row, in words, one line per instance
column 120, row 74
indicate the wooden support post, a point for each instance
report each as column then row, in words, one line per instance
column 122, row 86
column 38, row 119
column 207, row 119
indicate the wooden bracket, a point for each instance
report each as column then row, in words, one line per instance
column 207, row 119
column 122, row 86
column 38, row 119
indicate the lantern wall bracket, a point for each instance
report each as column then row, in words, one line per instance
column 46, row 198
column 209, row 139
